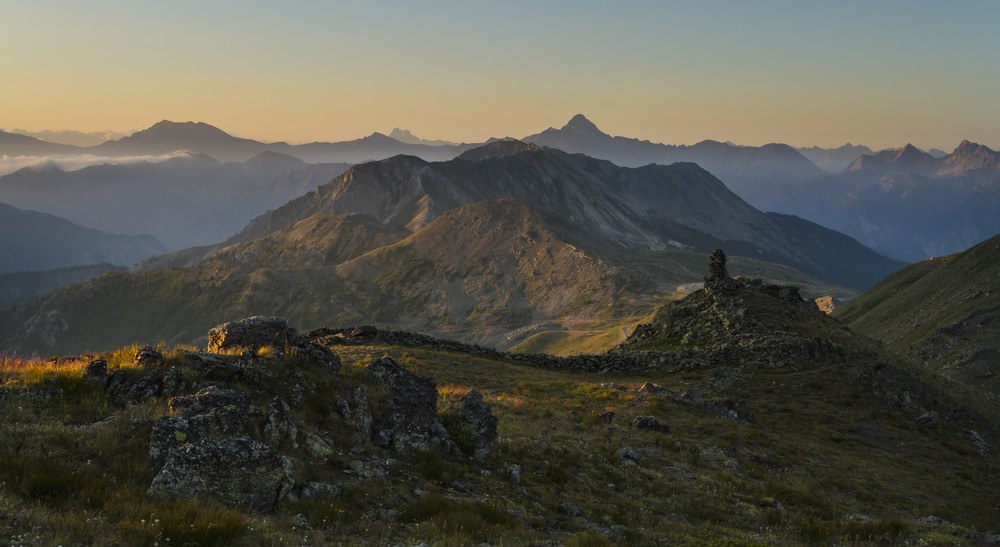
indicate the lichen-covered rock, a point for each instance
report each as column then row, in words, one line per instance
column 279, row 426
column 147, row 357
column 96, row 370
column 252, row 334
column 238, row 472
column 412, row 420
column 123, row 390
column 318, row 356
column 478, row 417
column 230, row 368
column 212, row 399
column 211, row 413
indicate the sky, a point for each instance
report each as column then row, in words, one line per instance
column 878, row 73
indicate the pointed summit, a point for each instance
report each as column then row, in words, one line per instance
column 580, row 124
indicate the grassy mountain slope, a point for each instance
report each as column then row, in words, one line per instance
column 943, row 312
column 810, row 452
column 593, row 203
column 495, row 272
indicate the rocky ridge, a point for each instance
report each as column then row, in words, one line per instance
column 236, row 432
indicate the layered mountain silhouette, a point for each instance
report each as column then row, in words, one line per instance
column 15, row 144
column 507, row 238
column 738, row 166
column 184, row 201
column 168, row 136
column 33, row 241
column 834, row 160
column 599, row 203
column 903, row 202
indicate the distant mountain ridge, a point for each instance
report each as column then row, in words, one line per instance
column 654, row 207
column 738, row 166
column 834, row 160
column 509, row 240
column 903, row 202
column 184, row 201
column 33, row 241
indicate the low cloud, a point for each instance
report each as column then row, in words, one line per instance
column 72, row 162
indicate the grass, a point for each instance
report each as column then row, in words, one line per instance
column 821, row 445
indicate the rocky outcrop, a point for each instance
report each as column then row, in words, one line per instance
column 124, row 388
column 252, row 333
column 411, row 420
column 238, row 472
column 211, row 413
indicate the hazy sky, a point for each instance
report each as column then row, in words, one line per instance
column 881, row 73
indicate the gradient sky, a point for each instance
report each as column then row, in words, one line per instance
column 881, row 73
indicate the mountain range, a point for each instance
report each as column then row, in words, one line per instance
column 32, row 241
column 834, row 160
column 184, row 201
column 904, row 202
column 738, row 166
column 508, row 238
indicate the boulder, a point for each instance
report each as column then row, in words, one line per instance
column 478, row 417
column 650, row 423
column 96, row 370
column 412, row 420
column 237, row 472
column 147, row 357
column 211, row 413
column 252, row 334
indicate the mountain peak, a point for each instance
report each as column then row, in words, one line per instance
column 580, row 124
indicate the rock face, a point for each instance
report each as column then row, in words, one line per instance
column 238, row 472
column 412, row 420
column 252, row 334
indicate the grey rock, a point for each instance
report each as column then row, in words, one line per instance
column 230, row 368
column 318, row 356
column 981, row 445
column 237, row 472
column 123, row 390
column 211, row 413
column 511, row 472
column 650, row 423
column 928, row 419
column 627, row 454
column 173, row 383
column 319, row 490
column 413, row 420
column 857, row 517
column 279, row 427
column 147, row 357
column 569, row 509
column 96, row 370
column 479, row 418
column 169, row 433
column 252, row 334
column 212, row 399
